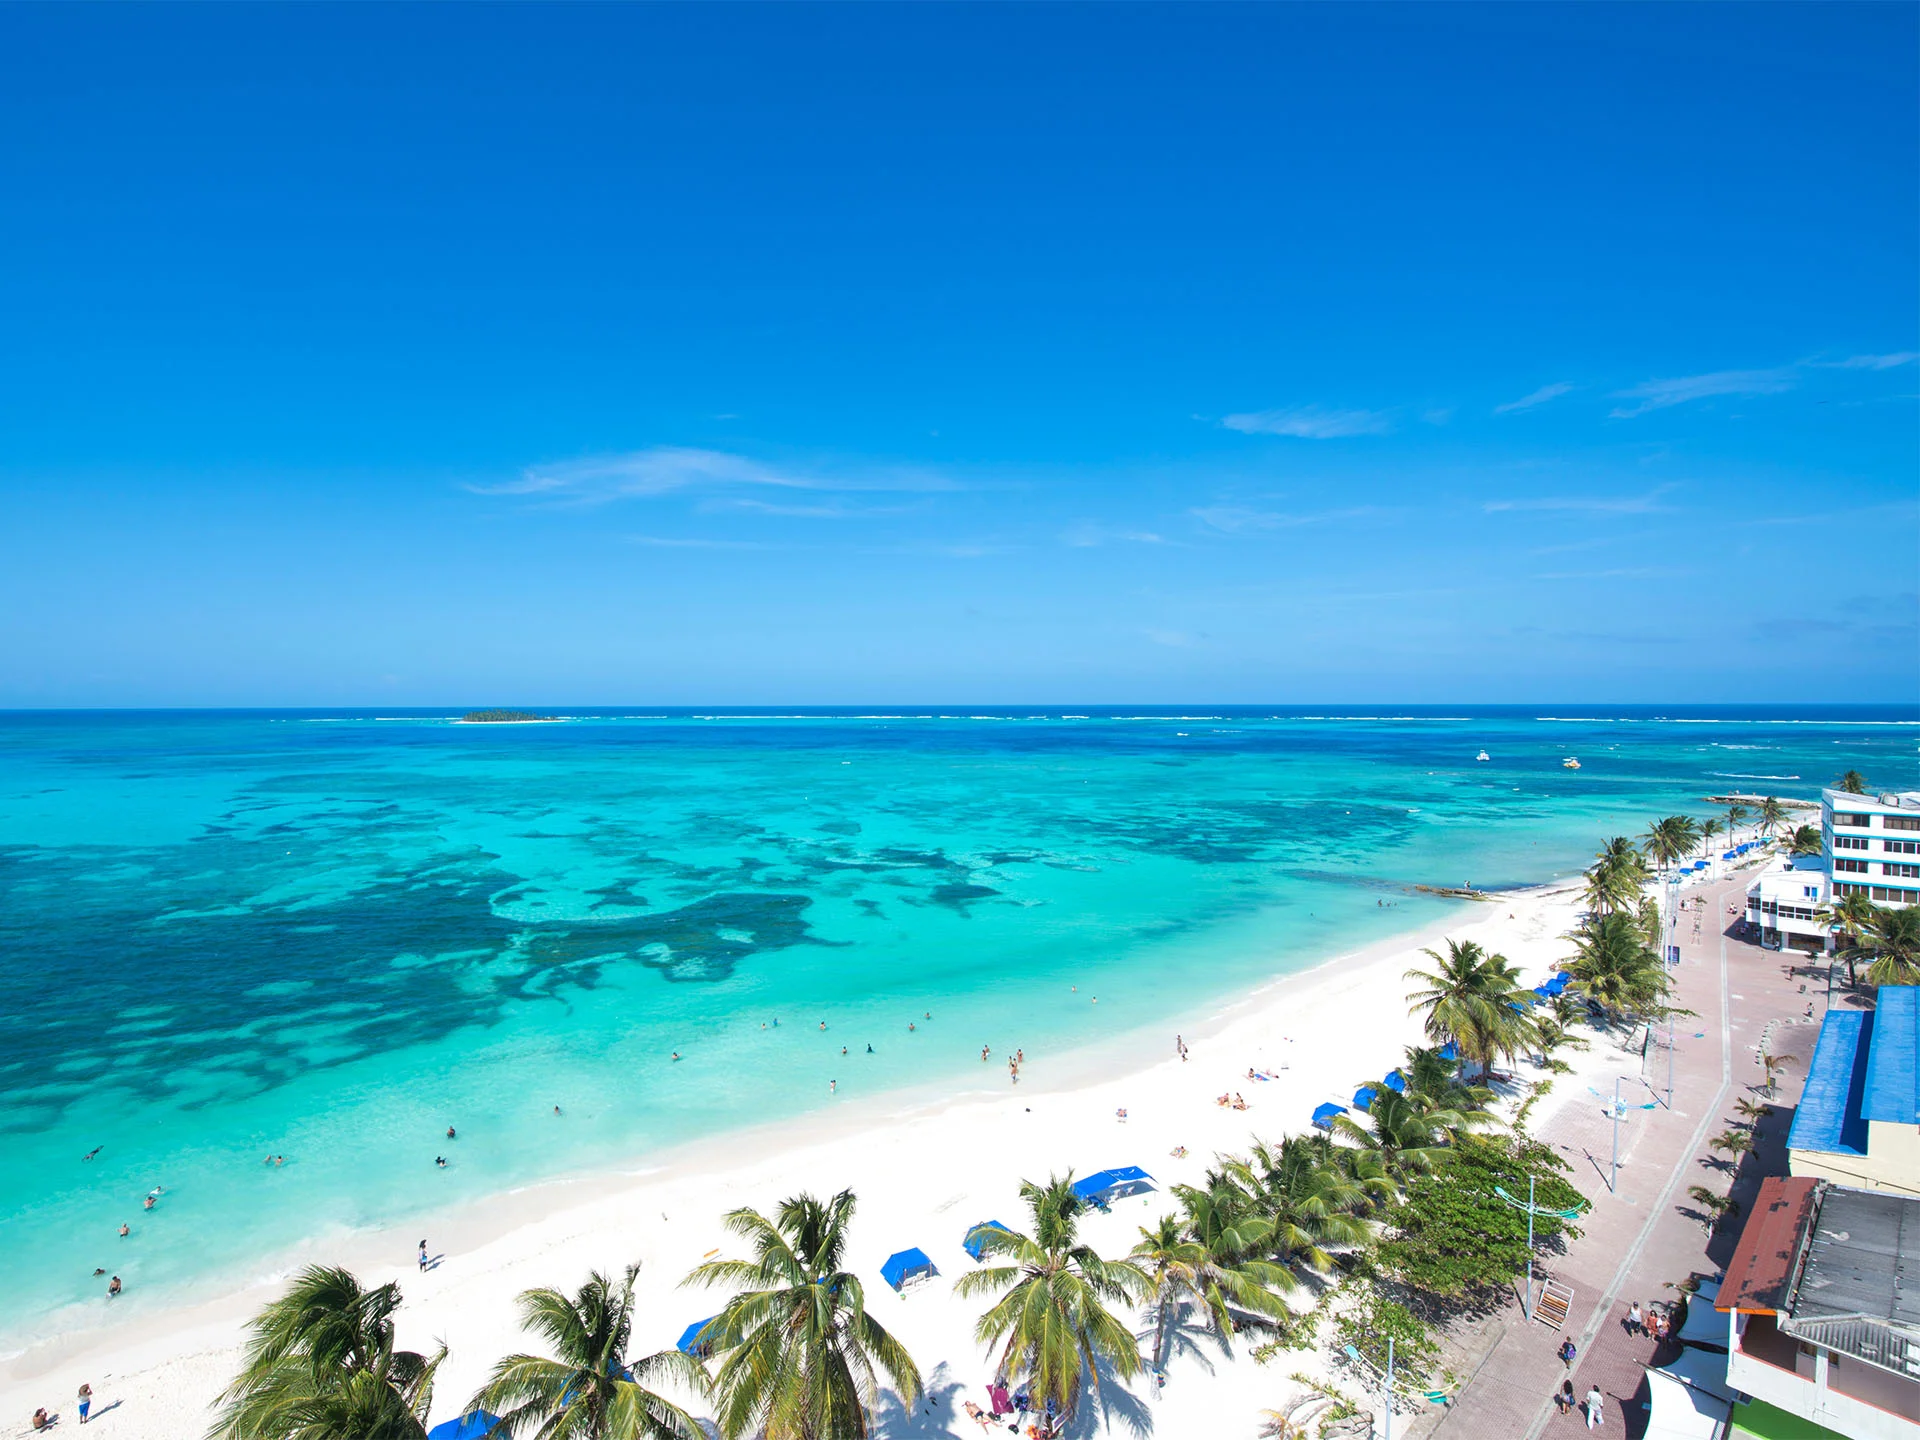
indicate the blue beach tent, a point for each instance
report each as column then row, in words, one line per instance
column 1451, row 1051
column 1363, row 1097
column 1323, row 1117
column 689, row 1341
column 907, row 1265
column 1106, row 1185
column 475, row 1426
column 1395, row 1082
column 976, row 1242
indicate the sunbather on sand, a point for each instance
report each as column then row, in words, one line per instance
column 974, row 1412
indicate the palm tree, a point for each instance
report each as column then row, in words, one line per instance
column 1615, row 877
column 1714, row 1207
column 1408, row 1139
column 1308, row 1198
column 1735, row 814
column 1773, row 1065
column 1853, row 916
column 1214, row 1253
column 1052, row 1322
column 1669, row 840
column 1751, row 1113
column 1731, row 1142
column 320, row 1365
column 1615, row 967
column 1476, row 1001
column 800, row 1349
column 1806, row 840
column 1894, row 935
column 1772, row 812
column 590, row 1390
column 1852, row 783
column 1708, row 829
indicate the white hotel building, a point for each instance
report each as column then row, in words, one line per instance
column 1873, row 845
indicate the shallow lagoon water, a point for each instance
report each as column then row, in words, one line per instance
column 329, row 935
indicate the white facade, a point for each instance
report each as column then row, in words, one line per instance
column 1873, row 845
column 1784, row 904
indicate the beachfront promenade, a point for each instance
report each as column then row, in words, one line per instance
column 1647, row 1236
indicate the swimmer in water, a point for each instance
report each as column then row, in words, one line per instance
column 124, row 1232
column 449, row 1132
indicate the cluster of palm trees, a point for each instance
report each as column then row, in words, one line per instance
column 794, row 1353
column 1886, row 938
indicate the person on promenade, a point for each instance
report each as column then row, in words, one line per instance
column 1566, row 1352
column 1563, row 1398
column 1635, row 1324
column 1595, row 1402
column 86, row 1401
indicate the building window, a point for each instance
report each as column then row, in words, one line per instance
column 1900, row 847
column 1859, row 822
column 1850, row 867
column 1840, row 887
column 1905, row 872
column 1860, row 842
column 1893, row 893
column 1902, row 822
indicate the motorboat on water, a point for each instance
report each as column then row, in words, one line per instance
column 1570, row 763
column 1483, row 756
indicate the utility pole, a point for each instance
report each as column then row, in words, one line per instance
column 1389, row 1389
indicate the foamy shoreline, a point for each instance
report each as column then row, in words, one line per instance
column 925, row 1167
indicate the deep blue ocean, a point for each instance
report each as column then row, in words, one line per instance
column 329, row 935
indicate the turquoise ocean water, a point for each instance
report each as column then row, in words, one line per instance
column 330, row 935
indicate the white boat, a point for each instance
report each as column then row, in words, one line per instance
column 1483, row 756
column 1570, row 763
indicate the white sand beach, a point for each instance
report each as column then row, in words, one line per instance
column 923, row 1175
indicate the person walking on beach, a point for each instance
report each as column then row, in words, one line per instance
column 1595, row 1402
column 85, row 1400
column 423, row 1255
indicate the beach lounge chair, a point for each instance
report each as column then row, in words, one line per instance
column 907, row 1267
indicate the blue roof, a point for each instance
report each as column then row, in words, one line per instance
column 1323, row 1117
column 904, row 1265
column 688, row 1341
column 1828, row 1117
column 1893, row 1065
column 472, row 1426
column 975, row 1244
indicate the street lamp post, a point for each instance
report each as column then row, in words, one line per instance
column 1526, row 1301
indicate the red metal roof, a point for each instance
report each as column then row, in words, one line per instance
column 1761, row 1271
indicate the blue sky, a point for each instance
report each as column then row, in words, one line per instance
column 729, row 355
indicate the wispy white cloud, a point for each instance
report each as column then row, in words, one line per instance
column 1538, row 397
column 1627, row 572
column 829, row 511
column 1659, row 394
column 1088, row 533
column 1173, row 639
column 1240, row 519
column 1311, row 422
column 696, row 542
column 1595, row 504
column 1873, row 362
column 665, row 469
column 1438, row 416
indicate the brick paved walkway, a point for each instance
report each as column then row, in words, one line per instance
column 1648, row 1236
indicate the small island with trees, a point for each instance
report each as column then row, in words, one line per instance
column 502, row 717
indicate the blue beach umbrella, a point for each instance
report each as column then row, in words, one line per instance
column 976, row 1242
column 905, row 1265
column 474, row 1426
column 689, row 1342
column 1363, row 1097
column 1323, row 1117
